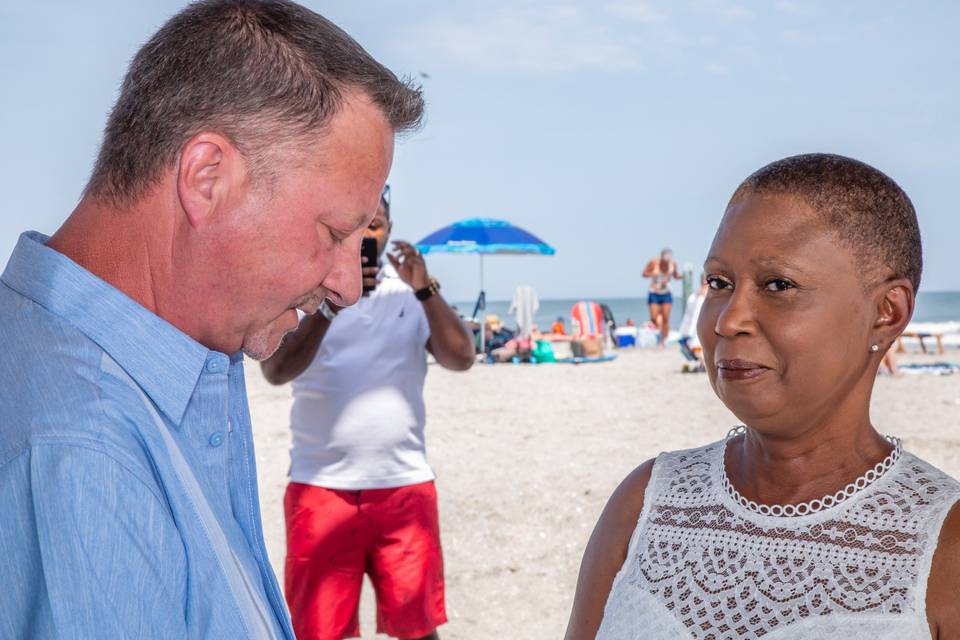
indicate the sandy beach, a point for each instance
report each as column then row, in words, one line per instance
column 526, row 457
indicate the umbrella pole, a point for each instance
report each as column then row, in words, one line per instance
column 481, row 273
column 483, row 314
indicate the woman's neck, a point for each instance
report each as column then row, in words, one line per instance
column 771, row 469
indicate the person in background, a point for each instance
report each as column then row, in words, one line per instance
column 496, row 334
column 558, row 328
column 689, row 342
column 660, row 300
column 239, row 167
column 361, row 497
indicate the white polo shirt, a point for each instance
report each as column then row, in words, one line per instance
column 358, row 413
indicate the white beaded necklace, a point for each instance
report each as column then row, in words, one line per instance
column 813, row 506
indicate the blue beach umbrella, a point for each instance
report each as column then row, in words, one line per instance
column 484, row 236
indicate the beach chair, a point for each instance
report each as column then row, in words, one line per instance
column 920, row 335
column 588, row 329
column 587, row 320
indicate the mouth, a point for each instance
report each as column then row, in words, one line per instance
column 309, row 303
column 740, row 369
column 308, row 308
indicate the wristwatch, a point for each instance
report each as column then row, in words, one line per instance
column 428, row 291
column 326, row 311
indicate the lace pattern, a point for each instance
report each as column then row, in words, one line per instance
column 702, row 566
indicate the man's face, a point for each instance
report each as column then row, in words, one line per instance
column 379, row 229
column 291, row 243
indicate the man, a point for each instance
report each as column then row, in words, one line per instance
column 361, row 497
column 239, row 168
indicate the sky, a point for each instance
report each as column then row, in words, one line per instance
column 611, row 129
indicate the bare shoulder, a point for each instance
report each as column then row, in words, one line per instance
column 606, row 551
column 943, row 606
column 625, row 504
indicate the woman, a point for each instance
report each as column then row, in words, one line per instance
column 660, row 300
column 805, row 522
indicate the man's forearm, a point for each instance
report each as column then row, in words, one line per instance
column 297, row 350
column 450, row 341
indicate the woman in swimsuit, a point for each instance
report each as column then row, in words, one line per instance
column 660, row 271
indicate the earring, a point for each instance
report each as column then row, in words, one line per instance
column 875, row 348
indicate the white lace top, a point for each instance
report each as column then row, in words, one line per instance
column 700, row 565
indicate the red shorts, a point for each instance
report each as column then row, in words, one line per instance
column 335, row 536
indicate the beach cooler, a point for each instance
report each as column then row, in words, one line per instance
column 626, row 336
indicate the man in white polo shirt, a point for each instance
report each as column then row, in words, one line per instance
column 361, row 497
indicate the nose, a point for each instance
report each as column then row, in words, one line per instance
column 735, row 317
column 343, row 281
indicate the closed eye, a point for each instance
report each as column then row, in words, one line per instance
column 335, row 235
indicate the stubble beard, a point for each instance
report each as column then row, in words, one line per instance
column 261, row 344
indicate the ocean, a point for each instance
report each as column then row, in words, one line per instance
column 932, row 306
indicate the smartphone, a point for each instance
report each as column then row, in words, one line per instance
column 368, row 250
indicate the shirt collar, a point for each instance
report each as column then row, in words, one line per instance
column 387, row 272
column 163, row 360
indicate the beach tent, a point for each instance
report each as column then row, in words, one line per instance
column 484, row 236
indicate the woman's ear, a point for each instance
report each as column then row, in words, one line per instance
column 895, row 304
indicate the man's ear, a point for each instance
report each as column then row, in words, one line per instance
column 895, row 302
column 210, row 169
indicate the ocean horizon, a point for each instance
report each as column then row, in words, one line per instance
column 932, row 306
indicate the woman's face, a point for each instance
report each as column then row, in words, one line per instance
column 786, row 323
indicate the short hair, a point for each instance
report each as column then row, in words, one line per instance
column 261, row 73
column 867, row 210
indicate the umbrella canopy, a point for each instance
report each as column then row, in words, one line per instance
column 483, row 236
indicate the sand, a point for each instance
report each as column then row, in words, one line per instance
column 526, row 457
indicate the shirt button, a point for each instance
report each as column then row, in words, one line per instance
column 213, row 366
column 216, row 439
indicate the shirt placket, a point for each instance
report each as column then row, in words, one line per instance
column 244, row 497
column 207, row 427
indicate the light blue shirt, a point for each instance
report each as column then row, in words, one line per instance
column 128, row 493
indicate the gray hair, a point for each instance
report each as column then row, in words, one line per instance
column 261, row 73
